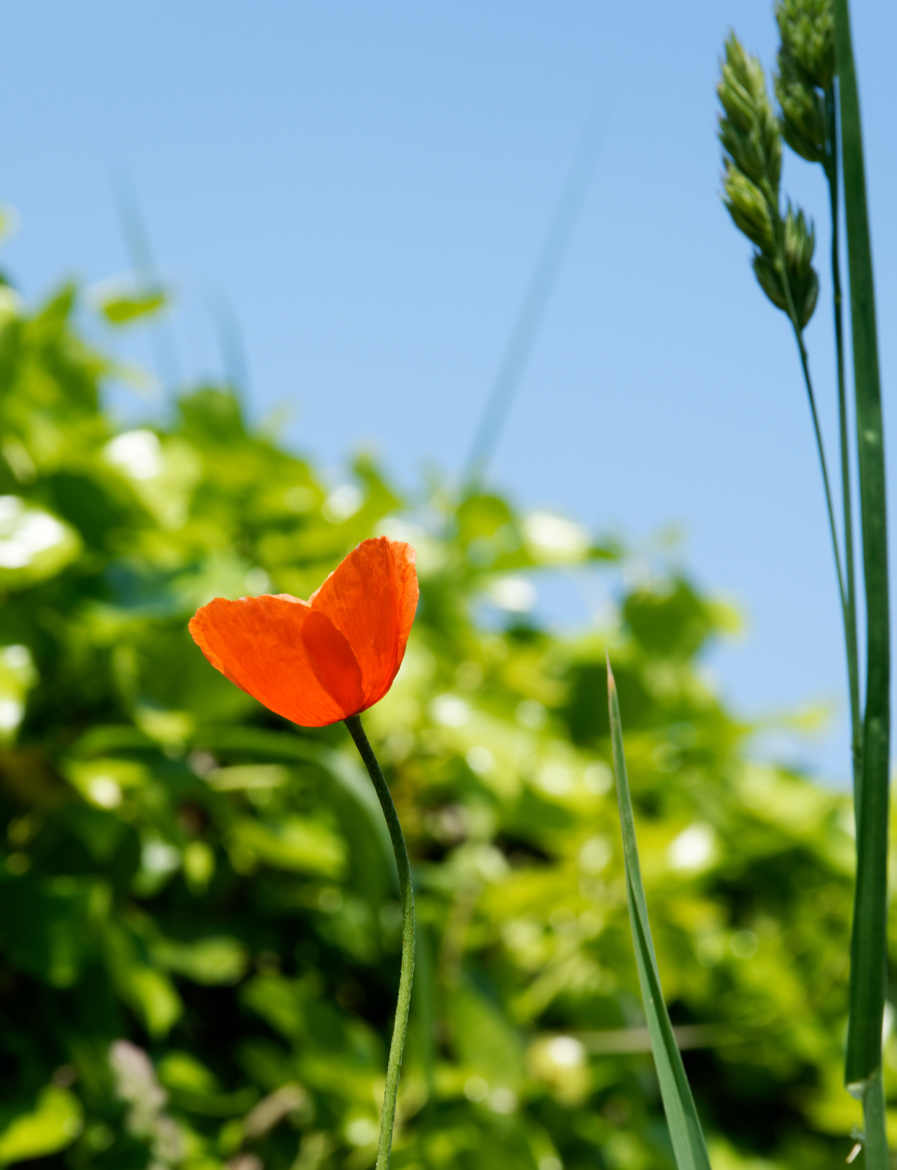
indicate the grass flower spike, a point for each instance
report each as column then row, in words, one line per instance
column 318, row 661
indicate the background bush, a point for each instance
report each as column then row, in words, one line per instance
column 197, row 918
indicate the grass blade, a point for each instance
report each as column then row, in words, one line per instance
column 137, row 242
column 683, row 1123
column 231, row 345
column 532, row 310
column 867, row 986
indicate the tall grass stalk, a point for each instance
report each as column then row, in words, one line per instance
column 849, row 606
column 869, row 937
column 816, row 87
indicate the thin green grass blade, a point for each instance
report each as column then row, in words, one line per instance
column 867, row 969
column 683, row 1123
column 535, row 302
column 231, row 345
column 137, row 242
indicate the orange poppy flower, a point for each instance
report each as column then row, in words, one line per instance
column 318, row 661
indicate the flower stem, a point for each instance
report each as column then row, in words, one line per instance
column 406, row 974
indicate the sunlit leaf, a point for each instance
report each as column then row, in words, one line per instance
column 125, row 308
column 211, row 960
column 49, row 1126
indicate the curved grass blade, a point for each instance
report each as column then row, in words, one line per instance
column 231, row 345
column 532, row 309
column 137, row 242
column 683, row 1123
column 867, row 982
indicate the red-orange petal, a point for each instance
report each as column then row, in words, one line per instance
column 371, row 598
column 283, row 653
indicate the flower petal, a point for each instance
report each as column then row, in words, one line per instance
column 290, row 658
column 371, row 598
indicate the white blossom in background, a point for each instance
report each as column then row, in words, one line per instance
column 137, row 453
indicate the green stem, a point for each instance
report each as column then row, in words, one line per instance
column 823, row 467
column 850, row 620
column 791, row 312
column 869, row 937
column 406, row 974
column 875, row 1142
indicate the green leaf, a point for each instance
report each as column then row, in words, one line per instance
column 485, row 1039
column 193, row 1087
column 17, row 677
column 52, row 1124
column 868, row 945
column 154, row 998
column 147, row 990
column 45, row 925
column 294, row 843
column 124, row 308
column 683, row 1122
column 213, row 960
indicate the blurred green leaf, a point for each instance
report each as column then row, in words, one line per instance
column 486, row 1042
column 675, row 620
column 211, row 960
column 52, row 1124
column 124, row 308
column 153, row 997
column 46, row 926
column 293, row 844
column 17, row 677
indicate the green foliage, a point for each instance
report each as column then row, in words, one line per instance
column 198, row 921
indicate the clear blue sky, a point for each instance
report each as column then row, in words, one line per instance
column 369, row 184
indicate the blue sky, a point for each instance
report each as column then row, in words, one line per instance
column 368, row 185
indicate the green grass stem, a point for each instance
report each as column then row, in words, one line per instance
column 823, row 467
column 868, row 943
column 850, row 609
column 869, row 936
